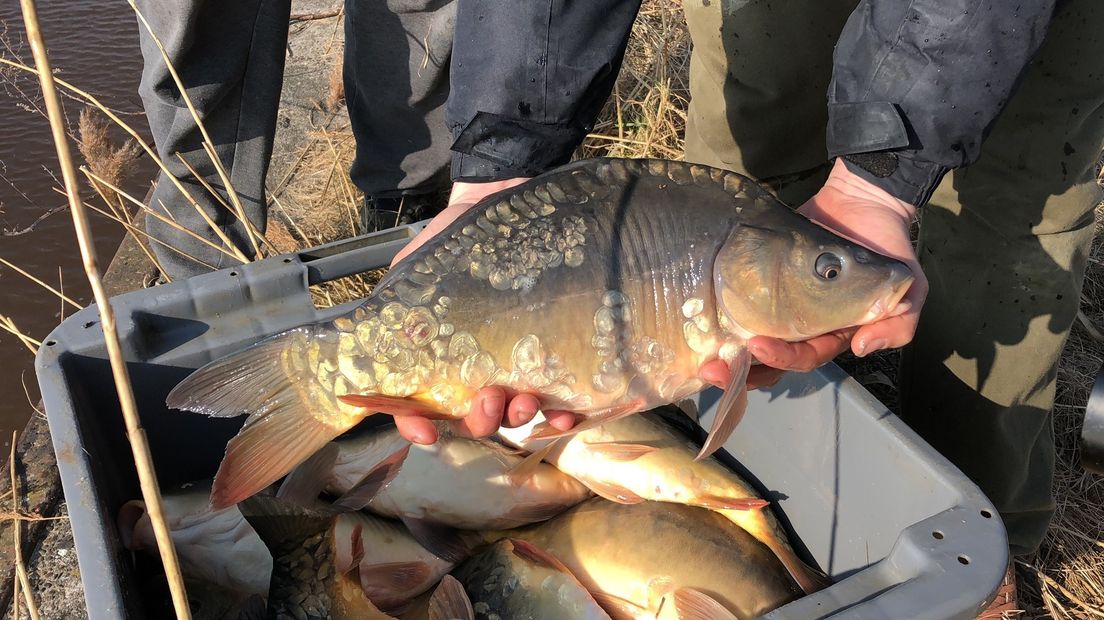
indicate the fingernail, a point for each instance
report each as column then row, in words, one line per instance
column 421, row 439
column 866, row 348
column 901, row 308
column 490, row 409
column 524, row 416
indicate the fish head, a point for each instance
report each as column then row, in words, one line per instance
column 783, row 276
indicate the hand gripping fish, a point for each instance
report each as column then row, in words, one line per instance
column 600, row 288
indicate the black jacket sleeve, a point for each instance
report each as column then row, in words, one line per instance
column 918, row 83
column 528, row 79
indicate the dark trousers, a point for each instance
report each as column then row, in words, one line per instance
column 1003, row 241
column 230, row 58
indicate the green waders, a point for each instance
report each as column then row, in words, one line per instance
column 1003, row 241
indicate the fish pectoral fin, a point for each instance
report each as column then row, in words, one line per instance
column 717, row 502
column 394, row 577
column 691, row 604
column 377, row 479
column 535, row 555
column 618, row 451
column 544, row 430
column 395, row 406
column 450, row 602
column 612, row 491
column 441, row 540
column 731, row 408
column 307, row 480
column 266, row 449
column 618, row 608
column 527, row 467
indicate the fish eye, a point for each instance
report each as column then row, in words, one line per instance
column 828, row 266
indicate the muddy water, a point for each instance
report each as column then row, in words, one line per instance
column 94, row 44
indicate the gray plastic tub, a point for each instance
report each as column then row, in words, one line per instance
column 903, row 532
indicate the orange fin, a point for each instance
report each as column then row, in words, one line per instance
column 717, row 502
column 532, row 553
column 690, row 604
column 373, row 482
column 612, row 492
column 547, row 431
column 658, row 589
column 394, row 406
column 307, row 481
column 266, row 449
column 529, row 465
column 450, row 601
column 394, row 577
column 806, row 577
column 524, row 514
column 731, row 408
column 616, row 451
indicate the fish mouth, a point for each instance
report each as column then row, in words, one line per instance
column 901, row 280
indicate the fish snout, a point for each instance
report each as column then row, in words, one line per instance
column 135, row 528
column 900, row 280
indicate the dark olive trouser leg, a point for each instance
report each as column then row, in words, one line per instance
column 1003, row 241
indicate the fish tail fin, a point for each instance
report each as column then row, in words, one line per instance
column 282, row 525
column 450, row 601
column 806, row 577
column 270, row 382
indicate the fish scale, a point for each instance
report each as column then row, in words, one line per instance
column 570, row 287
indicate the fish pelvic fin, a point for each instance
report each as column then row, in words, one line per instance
column 611, row 491
column 447, row 543
column 270, row 382
column 691, row 604
column 536, row 555
column 718, row 502
column 530, row 465
column 544, row 430
column 731, row 408
column 618, row 451
column 450, row 601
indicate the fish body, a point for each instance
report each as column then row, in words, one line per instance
column 457, row 482
column 214, row 546
column 305, row 584
column 514, row 579
column 648, row 457
column 632, row 556
column 600, row 288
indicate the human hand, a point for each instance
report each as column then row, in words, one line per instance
column 858, row 210
column 463, row 197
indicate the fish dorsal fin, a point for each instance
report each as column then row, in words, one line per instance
column 377, row 479
column 450, row 601
column 306, row 482
column 394, row 577
column 282, row 525
column 690, row 604
column 441, row 540
column 731, row 408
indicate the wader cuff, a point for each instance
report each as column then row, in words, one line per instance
column 911, row 180
column 492, row 147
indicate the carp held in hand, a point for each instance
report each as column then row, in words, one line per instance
column 600, row 287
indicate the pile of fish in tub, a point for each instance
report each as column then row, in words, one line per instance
column 601, row 288
column 667, row 537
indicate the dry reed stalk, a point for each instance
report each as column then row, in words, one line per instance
column 153, row 212
column 139, row 445
column 89, row 98
column 134, row 230
column 122, row 215
column 17, row 535
column 208, row 144
column 8, row 325
column 335, row 94
column 207, row 186
column 53, row 290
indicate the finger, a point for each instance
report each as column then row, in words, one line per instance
column 560, row 420
column 889, row 333
column 763, row 376
column 416, row 429
column 521, row 410
column 715, row 372
column 800, row 356
column 486, row 413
